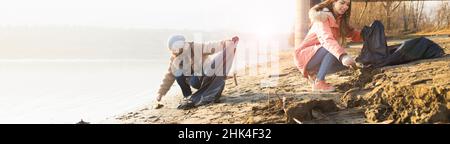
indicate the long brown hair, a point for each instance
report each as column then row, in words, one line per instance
column 344, row 25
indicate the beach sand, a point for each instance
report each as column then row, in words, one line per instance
column 420, row 94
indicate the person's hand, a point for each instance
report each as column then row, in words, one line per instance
column 348, row 61
column 158, row 103
column 158, row 98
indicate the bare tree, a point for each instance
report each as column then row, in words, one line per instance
column 441, row 16
column 363, row 11
column 416, row 12
column 405, row 18
column 390, row 6
column 445, row 14
column 360, row 15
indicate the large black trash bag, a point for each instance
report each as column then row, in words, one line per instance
column 375, row 47
column 412, row 50
column 376, row 53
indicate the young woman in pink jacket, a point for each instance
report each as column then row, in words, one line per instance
column 321, row 52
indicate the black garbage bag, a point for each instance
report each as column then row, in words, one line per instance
column 412, row 50
column 375, row 47
column 375, row 52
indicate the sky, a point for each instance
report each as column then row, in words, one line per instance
column 241, row 15
column 208, row 15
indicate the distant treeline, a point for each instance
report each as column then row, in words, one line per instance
column 402, row 17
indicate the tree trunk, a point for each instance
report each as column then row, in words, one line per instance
column 362, row 13
column 301, row 21
column 389, row 9
column 388, row 20
column 419, row 17
column 405, row 18
column 413, row 12
column 448, row 16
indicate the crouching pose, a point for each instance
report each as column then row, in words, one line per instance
column 202, row 66
column 322, row 50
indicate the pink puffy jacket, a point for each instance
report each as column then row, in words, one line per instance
column 323, row 33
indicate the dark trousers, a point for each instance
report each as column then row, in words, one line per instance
column 185, row 83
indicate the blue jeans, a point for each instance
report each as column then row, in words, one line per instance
column 185, row 83
column 328, row 63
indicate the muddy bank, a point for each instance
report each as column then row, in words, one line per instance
column 292, row 111
column 417, row 92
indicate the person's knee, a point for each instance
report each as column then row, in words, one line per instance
column 322, row 51
column 331, row 58
column 317, row 59
column 336, row 65
column 195, row 82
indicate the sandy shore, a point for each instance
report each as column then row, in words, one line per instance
column 291, row 100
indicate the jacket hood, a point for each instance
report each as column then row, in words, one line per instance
column 321, row 15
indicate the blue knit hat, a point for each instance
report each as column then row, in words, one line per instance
column 175, row 38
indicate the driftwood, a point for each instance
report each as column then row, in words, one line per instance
column 278, row 75
column 235, row 79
